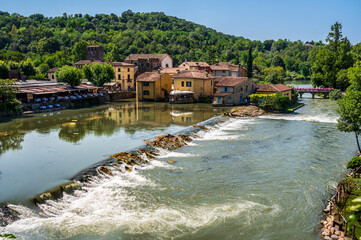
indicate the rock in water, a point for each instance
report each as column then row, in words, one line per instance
column 246, row 111
column 172, row 161
column 105, row 170
column 200, row 126
column 7, row 215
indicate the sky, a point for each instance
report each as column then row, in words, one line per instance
column 303, row 20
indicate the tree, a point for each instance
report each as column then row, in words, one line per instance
column 350, row 105
column 332, row 58
column 69, row 75
column 27, row 68
column 113, row 55
column 79, row 50
column 277, row 61
column 8, row 91
column 273, row 74
column 4, row 71
column 249, row 63
column 49, row 45
column 98, row 74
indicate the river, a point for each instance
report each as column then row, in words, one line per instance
column 246, row 178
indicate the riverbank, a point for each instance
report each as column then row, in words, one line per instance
column 342, row 213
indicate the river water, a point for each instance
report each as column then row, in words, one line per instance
column 246, row 178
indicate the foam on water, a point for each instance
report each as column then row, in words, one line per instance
column 301, row 117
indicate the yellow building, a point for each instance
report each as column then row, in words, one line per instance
column 153, row 86
column 124, row 75
column 199, row 82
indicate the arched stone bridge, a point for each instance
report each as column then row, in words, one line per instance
column 313, row 91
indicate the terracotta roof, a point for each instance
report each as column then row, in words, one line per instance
column 121, row 64
column 170, row 70
column 230, row 81
column 53, row 70
column 145, row 56
column 193, row 75
column 195, row 64
column 272, row 88
column 149, row 77
column 224, row 66
column 222, row 94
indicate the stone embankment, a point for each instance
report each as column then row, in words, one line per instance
column 123, row 161
column 331, row 232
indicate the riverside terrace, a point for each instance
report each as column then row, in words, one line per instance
column 36, row 95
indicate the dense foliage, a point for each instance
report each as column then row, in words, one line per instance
column 350, row 104
column 335, row 94
column 354, row 163
column 8, row 91
column 56, row 41
column 98, row 74
column 272, row 102
column 69, row 75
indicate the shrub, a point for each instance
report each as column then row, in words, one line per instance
column 354, row 163
column 335, row 94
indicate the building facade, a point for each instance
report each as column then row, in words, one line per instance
column 232, row 91
column 124, row 75
column 274, row 88
column 199, row 82
column 149, row 62
column 51, row 74
column 195, row 66
column 153, row 86
column 226, row 69
column 94, row 52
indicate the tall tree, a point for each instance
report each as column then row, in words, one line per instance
column 79, row 50
column 332, row 58
column 350, row 105
column 277, row 61
column 69, row 75
column 250, row 63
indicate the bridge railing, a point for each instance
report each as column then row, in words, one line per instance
column 315, row 89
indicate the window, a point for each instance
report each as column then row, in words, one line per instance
column 128, row 77
column 145, row 84
column 211, row 83
column 118, row 76
column 189, row 84
column 225, row 89
column 146, row 93
column 128, row 69
column 241, row 89
column 246, row 88
column 167, row 66
column 52, row 76
column 118, row 69
column 182, row 84
column 172, row 81
column 229, row 99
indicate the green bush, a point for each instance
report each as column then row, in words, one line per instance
column 354, row 163
column 275, row 103
column 335, row 94
column 14, row 106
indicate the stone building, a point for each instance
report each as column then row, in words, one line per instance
column 149, row 62
column 94, row 52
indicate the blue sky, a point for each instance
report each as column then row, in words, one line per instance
column 253, row 19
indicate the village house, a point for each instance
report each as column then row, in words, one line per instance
column 233, row 91
column 149, row 62
column 192, row 66
column 153, row 86
column 124, row 75
column 274, row 88
column 51, row 74
column 199, row 82
column 226, row 69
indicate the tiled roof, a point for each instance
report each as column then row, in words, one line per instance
column 195, row 64
column 193, row 75
column 149, row 77
column 170, row 70
column 230, row 81
column 272, row 88
column 145, row 56
column 224, row 66
column 121, row 64
column 53, row 70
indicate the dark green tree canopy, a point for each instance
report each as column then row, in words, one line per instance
column 98, row 74
column 69, row 75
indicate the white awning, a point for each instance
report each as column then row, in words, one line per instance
column 178, row 92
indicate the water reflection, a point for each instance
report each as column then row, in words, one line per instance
column 74, row 125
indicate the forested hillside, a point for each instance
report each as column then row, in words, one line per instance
column 48, row 42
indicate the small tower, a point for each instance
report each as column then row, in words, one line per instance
column 94, row 52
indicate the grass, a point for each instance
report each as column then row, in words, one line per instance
column 292, row 107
